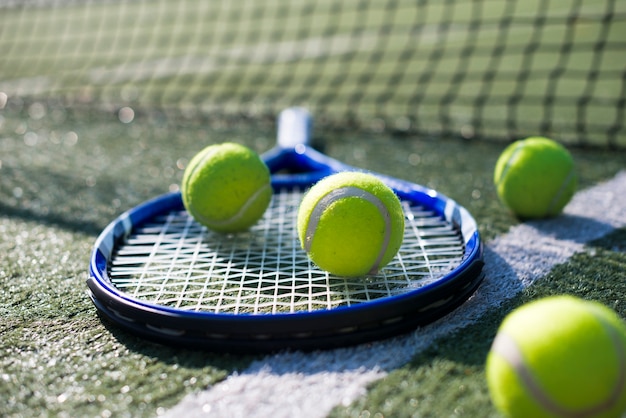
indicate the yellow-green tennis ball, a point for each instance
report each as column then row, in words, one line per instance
column 535, row 177
column 559, row 356
column 226, row 187
column 351, row 224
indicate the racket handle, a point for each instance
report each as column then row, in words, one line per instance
column 294, row 127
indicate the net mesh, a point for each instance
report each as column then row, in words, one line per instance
column 176, row 262
column 472, row 68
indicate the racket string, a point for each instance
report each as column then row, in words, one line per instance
column 176, row 262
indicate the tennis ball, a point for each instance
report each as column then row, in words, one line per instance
column 535, row 177
column 226, row 187
column 559, row 356
column 350, row 224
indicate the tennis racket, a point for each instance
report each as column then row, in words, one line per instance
column 160, row 275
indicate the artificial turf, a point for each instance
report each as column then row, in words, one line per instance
column 64, row 178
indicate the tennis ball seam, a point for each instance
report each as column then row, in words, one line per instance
column 518, row 147
column 200, row 163
column 506, row 347
column 345, row 192
column 226, row 187
column 557, row 196
column 237, row 216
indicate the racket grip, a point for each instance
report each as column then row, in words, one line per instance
column 294, row 127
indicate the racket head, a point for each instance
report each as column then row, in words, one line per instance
column 295, row 166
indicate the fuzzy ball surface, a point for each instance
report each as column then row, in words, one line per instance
column 559, row 356
column 351, row 224
column 535, row 177
column 226, row 187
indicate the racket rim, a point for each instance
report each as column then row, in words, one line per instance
column 168, row 202
column 310, row 166
column 258, row 343
column 355, row 316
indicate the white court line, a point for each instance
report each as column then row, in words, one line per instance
column 310, row 384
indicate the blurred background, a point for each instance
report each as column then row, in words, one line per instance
column 475, row 69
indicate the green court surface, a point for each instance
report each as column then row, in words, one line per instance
column 62, row 182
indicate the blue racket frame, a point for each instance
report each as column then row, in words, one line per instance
column 293, row 164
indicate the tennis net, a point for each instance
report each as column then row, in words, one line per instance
column 478, row 69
